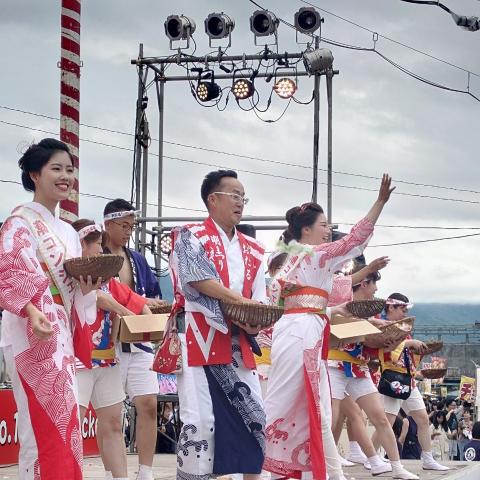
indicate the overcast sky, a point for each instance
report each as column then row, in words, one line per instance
column 384, row 121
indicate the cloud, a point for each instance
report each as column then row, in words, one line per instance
column 383, row 121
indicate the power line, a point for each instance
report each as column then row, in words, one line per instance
column 253, row 172
column 404, row 45
column 92, row 195
column 382, row 56
column 195, row 147
column 425, row 241
column 102, row 197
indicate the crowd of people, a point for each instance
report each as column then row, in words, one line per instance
column 280, row 420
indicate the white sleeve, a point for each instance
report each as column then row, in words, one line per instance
column 259, row 287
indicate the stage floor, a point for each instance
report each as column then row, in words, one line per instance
column 164, row 469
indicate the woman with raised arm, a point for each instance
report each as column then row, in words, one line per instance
column 299, row 418
column 43, row 325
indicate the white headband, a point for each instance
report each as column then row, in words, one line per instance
column 83, row 232
column 394, row 301
column 125, row 213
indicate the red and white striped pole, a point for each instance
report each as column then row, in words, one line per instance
column 70, row 96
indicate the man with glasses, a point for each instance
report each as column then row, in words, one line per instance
column 140, row 383
column 221, row 402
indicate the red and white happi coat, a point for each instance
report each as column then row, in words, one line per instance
column 33, row 246
column 298, row 394
column 351, row 359
column 208, row 340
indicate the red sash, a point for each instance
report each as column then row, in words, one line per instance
column 220, row 351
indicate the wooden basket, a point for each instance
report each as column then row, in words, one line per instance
column 252, row 314
column 433, row 347
column 105, row 266
column 392, row 332
column 433, row 373
column 366, row 308
column 158, row 310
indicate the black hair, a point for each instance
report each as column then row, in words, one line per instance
column 371, row 277
column 449, row 400
column 118, row 205
column 286, row 237
column 396, row 296
column 444, row 424
column 37, row 156
column 300, row 217
column 212, row 181
column 476, row 431
column 337, row 235
column 247, row 229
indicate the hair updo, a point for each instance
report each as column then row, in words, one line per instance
column 300, row 217
column 37, row 156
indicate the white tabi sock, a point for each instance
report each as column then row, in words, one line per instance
column 375, row 461
column 108, row 475
column 354, row 447
column 145, row 473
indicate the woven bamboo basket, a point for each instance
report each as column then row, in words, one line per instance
column 104, row 266
column 394, row 332
column 164, row 309
column 366, row 308
column 433, row 373
column 252, row 314
column 433, row 347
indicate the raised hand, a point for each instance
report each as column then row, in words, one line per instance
column 386, row 189
column 378, row 264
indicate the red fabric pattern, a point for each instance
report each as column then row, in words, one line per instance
column 20, row 280
column 54, row 417
column 358, row 235
column 221, row 348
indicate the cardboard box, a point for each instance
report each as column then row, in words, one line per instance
column 349, row 330
column 143, row 328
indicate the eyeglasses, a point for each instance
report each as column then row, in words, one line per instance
column 235, row 197
column 126, row 227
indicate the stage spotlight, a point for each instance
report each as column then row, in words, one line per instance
column 317, row 60
column 242, row 88
column 219, row 25
column 207, row 91
column 179, row 27
column 307, row 20
column 285, row 87
column 263, row 23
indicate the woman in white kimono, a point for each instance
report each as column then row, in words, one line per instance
column 43, row 325
column 298, row 402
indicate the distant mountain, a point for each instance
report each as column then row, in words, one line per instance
column 426, row 313
column 445, row 313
